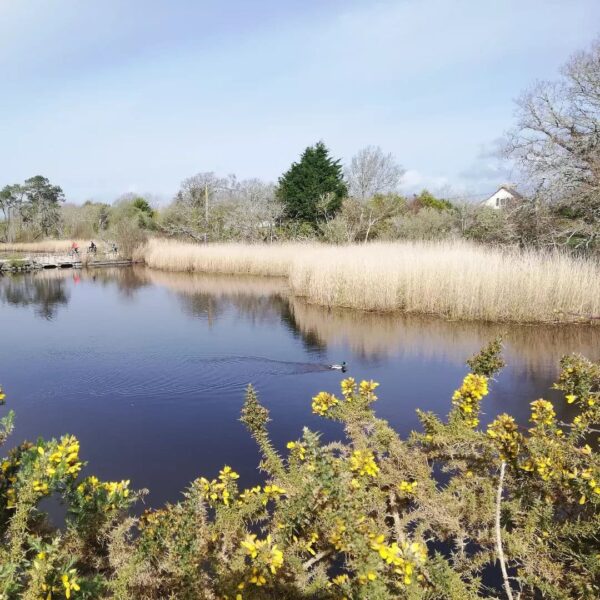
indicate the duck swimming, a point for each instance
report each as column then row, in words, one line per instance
column 341, row 367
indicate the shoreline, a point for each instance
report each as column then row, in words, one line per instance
column 247, row 268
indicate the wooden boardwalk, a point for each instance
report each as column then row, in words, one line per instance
column 62, row 261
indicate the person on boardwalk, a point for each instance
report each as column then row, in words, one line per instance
column 93, row 248
column 75, row 248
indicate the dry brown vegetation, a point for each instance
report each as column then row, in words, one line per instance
column 42, row 246
column 452, row 279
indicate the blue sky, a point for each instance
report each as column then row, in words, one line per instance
column 106, row 97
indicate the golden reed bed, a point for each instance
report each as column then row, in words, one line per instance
column 455, row 280
column 47, row 246
column 452, row 279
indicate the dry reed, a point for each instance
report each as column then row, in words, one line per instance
column 231, row 259
column 452, row 279
column 42, row 246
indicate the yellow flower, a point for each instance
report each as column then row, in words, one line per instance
column 469, row 395
column 408, row 487
column 69, row 582
column 11, row 498
column 363, row 463
column 339, row 580
column 336, row 537
column 265, row 556
column 272, row 492
column 364, row 578
column 348, row 387
column 404, row 559
column 40, row 486
column 570, row 398
column 227, row 473
column 117, row 488
column 322, row 402
column 247, row 494
column 309, row 544
column 504, row 431
column 298, row 449
column 542, row 412
column 367, row 388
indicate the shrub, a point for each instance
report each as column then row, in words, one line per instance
column 372, row 517
column 128, row 235
column 426, row 224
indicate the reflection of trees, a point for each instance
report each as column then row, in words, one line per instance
column 45, row 294
column 260, row 300
column 310, row 337
column 127, row 279
column 205, row 306
column 263, row 300
column 373, row 335
column 369, row 334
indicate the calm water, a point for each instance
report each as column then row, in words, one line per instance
column 149, row 369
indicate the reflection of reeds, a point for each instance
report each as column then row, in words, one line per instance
column 370, row 334
column 217, row 285
column 380, row 334
column 373, row 334
column 451, row 279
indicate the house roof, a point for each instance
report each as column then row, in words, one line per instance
column 511, row 190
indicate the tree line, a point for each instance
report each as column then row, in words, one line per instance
column 554, row 146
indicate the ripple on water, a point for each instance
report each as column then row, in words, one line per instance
column 152, row 375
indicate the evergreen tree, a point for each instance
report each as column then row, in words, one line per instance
column 314, row 187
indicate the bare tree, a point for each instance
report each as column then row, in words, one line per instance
column 358, row 220
column 556, row 143
column 208, row 207
column 253, row 211
column 372, row 172
column 192, row 209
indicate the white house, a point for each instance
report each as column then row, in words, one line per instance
column 502, row 197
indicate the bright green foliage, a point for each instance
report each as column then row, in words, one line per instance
column 313, row 188
column 366, row 518
column 427, row 200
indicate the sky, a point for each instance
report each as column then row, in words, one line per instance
column 105, row 97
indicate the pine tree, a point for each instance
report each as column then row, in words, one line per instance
column 313, row 187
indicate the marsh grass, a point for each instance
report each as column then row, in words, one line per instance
column 452, row 279
column 231, row 259
column 42, row 246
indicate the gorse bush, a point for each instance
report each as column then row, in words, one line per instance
column 455, row 511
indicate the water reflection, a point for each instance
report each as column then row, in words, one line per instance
column 44, row 293
column 149, row 368
column 373, row 336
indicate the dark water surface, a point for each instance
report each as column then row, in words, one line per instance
column 149, row 369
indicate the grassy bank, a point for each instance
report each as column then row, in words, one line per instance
column 452, row 279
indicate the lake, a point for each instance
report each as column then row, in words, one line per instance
column 148, row 369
